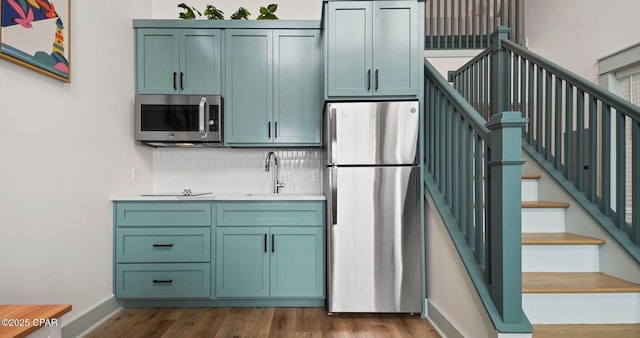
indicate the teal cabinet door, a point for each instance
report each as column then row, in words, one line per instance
column 349, row 48
column 157, row 60
column 178, row 61
column 200, row 65
column 297, row 86
column 373, row 48
column 242, row 262
column 297, row 262
column 249, row 93
column 395, row 48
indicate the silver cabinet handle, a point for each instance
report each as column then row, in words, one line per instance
column 203, row 119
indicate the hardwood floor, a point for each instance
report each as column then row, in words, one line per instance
column 259, row 322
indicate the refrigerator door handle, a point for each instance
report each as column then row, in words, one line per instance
column 333, row 184
column 333, row 137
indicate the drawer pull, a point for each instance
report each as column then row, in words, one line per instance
column 163, row 245
column 158, row 281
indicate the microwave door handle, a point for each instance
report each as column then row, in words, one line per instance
column 201, row 115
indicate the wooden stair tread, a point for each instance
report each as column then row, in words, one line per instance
column 586, row 330
column 574, row 282
column 544, row 204
column 29, row 312
column 531, row 177
column 558, row 238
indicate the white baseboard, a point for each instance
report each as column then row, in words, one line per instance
column 91, row 319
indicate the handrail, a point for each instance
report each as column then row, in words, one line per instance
column 588, row 136
column 468, row 164
column 576, row 80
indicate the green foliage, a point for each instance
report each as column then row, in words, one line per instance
column 241, row 13
column 189, row 12
column 267, row 13
column 212, row 13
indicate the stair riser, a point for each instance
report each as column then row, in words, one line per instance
column 560, row 258
column 582, row 308
column 543, row 220
column 529, row 190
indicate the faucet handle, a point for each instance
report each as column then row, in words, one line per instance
column 278, row 186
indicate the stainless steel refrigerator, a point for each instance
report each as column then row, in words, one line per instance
column 373, row 210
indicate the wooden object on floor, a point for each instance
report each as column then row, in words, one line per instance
column 22, row 320
column 574, row 282
column 586, row 331
column 259, row 322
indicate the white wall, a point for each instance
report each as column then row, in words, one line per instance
column 287, row 9
column 576, row 33
column 449, row 288
column 64, row 149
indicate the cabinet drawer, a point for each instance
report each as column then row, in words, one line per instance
column 140, row 214
column 304, row 213
column 163, row 281
column 160, row 245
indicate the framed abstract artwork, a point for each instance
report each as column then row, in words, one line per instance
column 36, row 34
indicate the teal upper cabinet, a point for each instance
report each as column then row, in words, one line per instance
column 273, row 87
column 373, row 48
column 249, row 93
column 171, row 61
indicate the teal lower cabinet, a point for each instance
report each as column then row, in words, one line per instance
column 220, row 253
column 279, row 262
column 162, row 250
column 270, row 262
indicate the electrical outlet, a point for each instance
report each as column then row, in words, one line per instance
column 134, row 174
column 315, row 176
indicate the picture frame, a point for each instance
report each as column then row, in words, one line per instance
column 37, row 34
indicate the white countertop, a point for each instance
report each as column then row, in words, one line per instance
column 225, row 197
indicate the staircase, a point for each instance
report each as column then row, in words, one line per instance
column 562, row 282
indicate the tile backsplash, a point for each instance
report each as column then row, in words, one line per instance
column 235, row 170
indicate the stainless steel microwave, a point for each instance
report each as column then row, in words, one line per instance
column 179, row 120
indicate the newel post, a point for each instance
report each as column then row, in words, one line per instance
column 504, row 206
column 500, row 81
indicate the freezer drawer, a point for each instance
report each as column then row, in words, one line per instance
column 374, row 239
column 372, row 133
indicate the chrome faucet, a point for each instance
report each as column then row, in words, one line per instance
column 276, row 183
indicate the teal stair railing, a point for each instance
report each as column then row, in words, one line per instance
column 472, row 173
column 467, row 24
column 586, row 137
